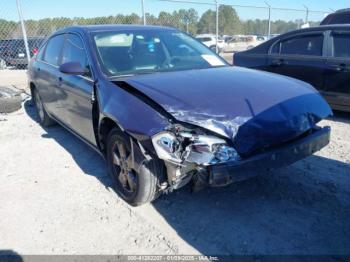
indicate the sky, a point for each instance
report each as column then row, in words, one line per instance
column 36, row 9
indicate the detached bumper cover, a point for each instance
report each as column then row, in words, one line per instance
column 224, row 174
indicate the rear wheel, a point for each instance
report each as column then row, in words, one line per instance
column 136, row 187
column 44, row 119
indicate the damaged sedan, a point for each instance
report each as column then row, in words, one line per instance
column 165, row 111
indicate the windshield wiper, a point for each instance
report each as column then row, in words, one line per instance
column 121, row 76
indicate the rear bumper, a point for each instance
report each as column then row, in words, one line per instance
column 224, row 174
column 18, row 61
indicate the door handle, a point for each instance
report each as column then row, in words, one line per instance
column 59, row 81
column 340, row 67
column 277, row 62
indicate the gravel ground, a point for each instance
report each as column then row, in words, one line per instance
column 13, row 78
column 56, row 199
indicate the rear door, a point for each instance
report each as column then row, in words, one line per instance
column 300, row 56
column 337, row 87
column 48, row 75
column 77, row 89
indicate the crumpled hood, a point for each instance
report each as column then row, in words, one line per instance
column 254, row 109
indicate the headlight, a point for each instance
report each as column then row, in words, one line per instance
column 199, row 149
column 166, row 146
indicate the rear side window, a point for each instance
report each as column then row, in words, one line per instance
column 40, row 55
column 341, row 45
column 74, row 51
column 53, row 50
column 310, row 45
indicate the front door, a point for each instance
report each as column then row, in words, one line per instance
column 78, row 90
column 337, row 90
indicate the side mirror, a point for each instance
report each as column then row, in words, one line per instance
column 73, row 68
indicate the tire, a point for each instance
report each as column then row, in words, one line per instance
column 213, row 48
column 143, row 186
column 10, row 101
column 44, row 119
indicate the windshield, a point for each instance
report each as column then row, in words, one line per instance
column 148, row 51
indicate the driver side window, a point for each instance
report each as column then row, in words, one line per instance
column 74, row 52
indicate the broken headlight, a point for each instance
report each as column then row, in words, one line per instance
column 188, row 147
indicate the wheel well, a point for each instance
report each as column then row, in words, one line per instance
column 106, row 125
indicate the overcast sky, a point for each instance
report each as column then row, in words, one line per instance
column 36, row 9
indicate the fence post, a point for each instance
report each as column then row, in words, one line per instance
column 143, row 12
column 269, row 25
column 217, row 26
column 24, row 32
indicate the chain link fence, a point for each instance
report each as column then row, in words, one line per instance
column 196, row 17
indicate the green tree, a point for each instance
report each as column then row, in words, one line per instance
column 229, row 23
column 206, row 24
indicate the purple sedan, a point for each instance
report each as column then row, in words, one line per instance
column 164, row 110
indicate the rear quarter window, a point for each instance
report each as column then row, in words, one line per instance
column 341, row 45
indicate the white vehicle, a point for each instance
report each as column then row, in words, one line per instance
column 210, row 41
column 242, row 43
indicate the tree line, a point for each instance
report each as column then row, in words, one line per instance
column 183, row 19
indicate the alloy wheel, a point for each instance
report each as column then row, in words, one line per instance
column 123, row 172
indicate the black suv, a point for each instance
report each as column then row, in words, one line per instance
column 318, row 55
column 13, row 52
column 340, row 17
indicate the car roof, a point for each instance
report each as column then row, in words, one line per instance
column 111, row 27
column 345, row 10
column 262, row 48
column 317, row 28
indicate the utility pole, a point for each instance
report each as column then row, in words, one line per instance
column 143, row 12
column 269, row 25
column 217, row 25
column 307, row 14
column 24, row 32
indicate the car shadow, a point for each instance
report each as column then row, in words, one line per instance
column 303, row 209
column 90, row 161
column 298, row 210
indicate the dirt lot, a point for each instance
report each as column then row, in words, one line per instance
column 56, row 199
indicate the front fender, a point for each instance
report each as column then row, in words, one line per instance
column 134, row 116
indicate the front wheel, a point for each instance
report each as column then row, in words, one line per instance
column 136, row 187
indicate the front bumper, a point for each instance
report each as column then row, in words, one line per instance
column 224, row 174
